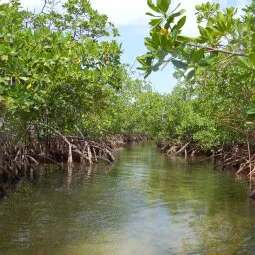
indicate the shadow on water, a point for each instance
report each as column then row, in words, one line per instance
column 143, row 204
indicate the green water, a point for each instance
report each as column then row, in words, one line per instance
column 144, row 204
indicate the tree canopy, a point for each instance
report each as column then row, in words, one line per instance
column 213, row 102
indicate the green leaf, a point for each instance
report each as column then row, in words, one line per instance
column 155, row 22
column 213, row 30
column 166, row 43
column 180, row 23
column 197, row 55
column 142, row 60
column 170, row 18
column 251, row 59
column 207, row 61
column 180, row 64
column 244, row 62
column 184, row 38
column 198, row 7
column 4, row 57
column 152, row 6
column 24, row 78
column 147, row 74
column 202, row 31
column 155, row 68
column 250, row 114
column 190, row 75
column 163, row 5
column 3, row 80
column 221, row 23
column 150, row 44
column 150, row 14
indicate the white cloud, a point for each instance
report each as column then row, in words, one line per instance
column 124, row 12
column 132, row 12
column 32, row 4
column 190, row 28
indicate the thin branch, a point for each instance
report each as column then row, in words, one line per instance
column 249, row 153
column 211, row 49
column 44, row 5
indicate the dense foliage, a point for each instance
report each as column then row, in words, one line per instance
column 213, row 103
column 62, row 69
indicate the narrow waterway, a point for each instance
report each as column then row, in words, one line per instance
column 144, row 204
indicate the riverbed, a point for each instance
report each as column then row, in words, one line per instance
column 143, row 204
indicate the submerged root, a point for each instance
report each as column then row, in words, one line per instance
column 117, row 141
column 18, row 158
column 184, row 149
column 239, row 156
column 236, row 157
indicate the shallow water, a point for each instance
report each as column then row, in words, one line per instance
column 144, row 204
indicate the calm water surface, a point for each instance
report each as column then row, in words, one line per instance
column 144, row 204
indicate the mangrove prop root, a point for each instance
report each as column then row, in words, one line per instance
column 238, row 156
column 17, row 158
column 177, row 148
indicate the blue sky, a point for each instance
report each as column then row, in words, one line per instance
column 133, row 27
column 130, row 19
column 132, row 39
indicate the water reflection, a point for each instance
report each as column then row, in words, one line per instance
column 144, row 204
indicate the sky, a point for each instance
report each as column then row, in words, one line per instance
column 130, row 19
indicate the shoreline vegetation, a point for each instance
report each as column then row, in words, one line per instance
column 238, row 157
column 211, row 111
column 63, row 86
